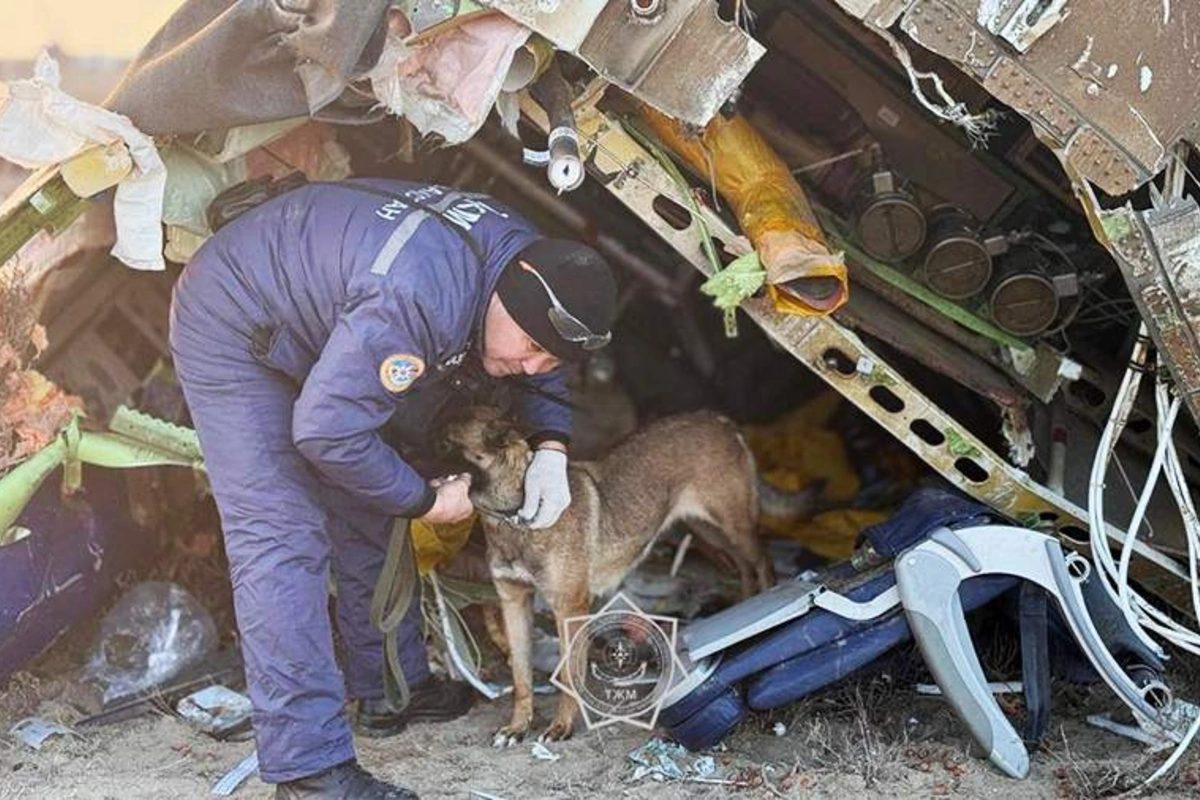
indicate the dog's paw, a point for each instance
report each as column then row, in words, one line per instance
column 557, row 732
column 509, row 735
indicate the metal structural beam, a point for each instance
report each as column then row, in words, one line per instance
column 1158, row 252
column 842, row 360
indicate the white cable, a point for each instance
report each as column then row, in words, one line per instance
column 1139, row 512
column 1183, row 498
column 1145, row 617
column 1098, row 529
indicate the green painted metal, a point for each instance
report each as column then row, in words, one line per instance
column 52, row 207
column 72, row 448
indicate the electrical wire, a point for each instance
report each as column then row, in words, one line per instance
column 1143, row 616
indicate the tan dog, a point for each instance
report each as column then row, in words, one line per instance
column 693, row 468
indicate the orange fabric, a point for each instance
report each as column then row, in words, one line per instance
column 437, row 545
column 770, row 205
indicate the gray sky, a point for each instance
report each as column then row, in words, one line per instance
column 115, row 28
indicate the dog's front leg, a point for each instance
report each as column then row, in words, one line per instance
column 516, row 604
column 495, row 630
column 575, row 603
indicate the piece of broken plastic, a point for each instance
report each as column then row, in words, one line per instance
column 231, row 780
column 661, row 758
column 543, row 753
column 152, row 634
column 34, row 731
column 215, row 709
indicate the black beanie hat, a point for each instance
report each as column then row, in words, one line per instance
column 579, row 277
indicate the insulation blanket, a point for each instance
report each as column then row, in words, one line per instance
column 41, row 125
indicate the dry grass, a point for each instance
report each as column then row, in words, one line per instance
column 852, row 730
column 1089, row 778
column 16, row 325
column 21, row 342
column 17, row 321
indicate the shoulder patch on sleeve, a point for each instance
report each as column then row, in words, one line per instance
column 399, row 371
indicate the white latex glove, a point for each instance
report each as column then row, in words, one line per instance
column 547, row 493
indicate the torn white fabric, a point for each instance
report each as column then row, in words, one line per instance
column 195, row 177
column 1015, row 427
column 447, row 84
column 40, row 125
column 508, row 108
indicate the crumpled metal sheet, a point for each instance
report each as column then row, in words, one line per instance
column 1109, row 87
column 686, row 62
column 564, row 22
column 1157, row 251
column 1021, row 22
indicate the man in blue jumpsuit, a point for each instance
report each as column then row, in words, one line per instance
column 298, row 331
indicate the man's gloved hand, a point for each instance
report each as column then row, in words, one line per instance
column 547, row 493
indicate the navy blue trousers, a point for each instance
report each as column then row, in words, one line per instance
column 284, row 530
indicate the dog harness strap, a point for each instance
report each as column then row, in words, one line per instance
column 393, row 596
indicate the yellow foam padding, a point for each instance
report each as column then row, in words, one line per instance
column 831, row 534
column 797, row 449
column 437, row 545
column 770, row 205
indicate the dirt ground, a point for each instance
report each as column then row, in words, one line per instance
column 870, row 738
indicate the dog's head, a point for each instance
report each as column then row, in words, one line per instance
column 489, row 444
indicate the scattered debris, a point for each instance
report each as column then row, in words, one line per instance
column 153, row 633
column 231, row 780
column 216, row 710
column 705, row 767
column 1178, row 716
column 657, row 757
column 543, row 753
column 663, row 760
column 1003, row 687
column 32, row 409
column 34, row 731
column 1134, row 732
column 449, row 84
column 224, row 667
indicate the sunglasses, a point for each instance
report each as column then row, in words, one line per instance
column 565, row 324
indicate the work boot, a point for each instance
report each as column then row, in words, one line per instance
column 432, row 700
column 346, row 781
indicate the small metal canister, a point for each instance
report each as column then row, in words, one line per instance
column 956, row 262
column 891, row 226
column 1024, row 303
column 1024, row 296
